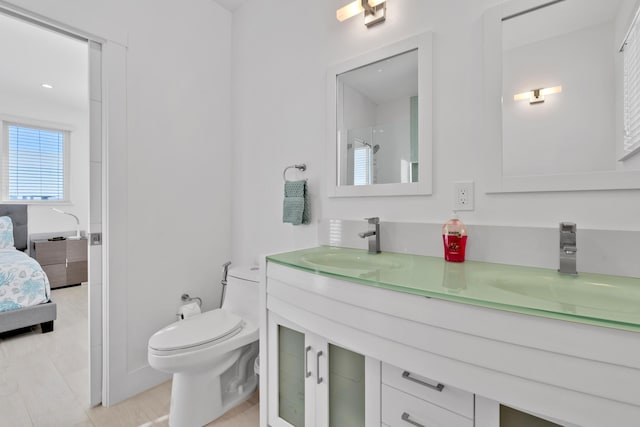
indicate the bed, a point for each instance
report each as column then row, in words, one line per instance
column 24, row 287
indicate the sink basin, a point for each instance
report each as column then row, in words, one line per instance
column 573, row 293
column 350, row 263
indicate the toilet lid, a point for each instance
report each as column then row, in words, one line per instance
column 201, row 329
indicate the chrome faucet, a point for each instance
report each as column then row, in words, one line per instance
column 568, row 248
column 374, row 244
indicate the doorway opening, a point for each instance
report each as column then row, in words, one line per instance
column 50, row 84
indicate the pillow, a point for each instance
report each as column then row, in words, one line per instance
column 6, row 232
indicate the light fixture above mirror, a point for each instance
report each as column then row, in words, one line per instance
column 536, row 96
column 375, row 11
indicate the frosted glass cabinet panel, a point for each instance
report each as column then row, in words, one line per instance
column 290, row 361
column 490, row 413
column 346, row 388
column 315, row 383
column 291, row 376
column 510, row 417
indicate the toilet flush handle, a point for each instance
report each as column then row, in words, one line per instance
column 225, row 272
column 223, row 282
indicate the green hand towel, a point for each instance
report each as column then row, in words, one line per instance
column 306, row 213
column 293, row 208
column 294, row 188
column 296, row 207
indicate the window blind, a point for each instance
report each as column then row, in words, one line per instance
column 631, row 52
column 36, row 163
column 362, row 166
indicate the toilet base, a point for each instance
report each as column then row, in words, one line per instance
column 198, row 398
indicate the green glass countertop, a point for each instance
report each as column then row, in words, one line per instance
column 596, row 299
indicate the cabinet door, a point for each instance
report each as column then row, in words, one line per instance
column 77, row 261
column 77, row 272
column 57, row 274
column 292, row 375
column 346, row 388
column 77, row 250
column 51, row 252
column 315, row 383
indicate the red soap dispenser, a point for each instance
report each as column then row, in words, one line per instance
column 454, row 238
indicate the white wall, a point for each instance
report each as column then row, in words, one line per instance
column 359, row 110
column 42, row 219
column 173, row 172
column 395, row 141
column 281, row 52
column 178, row 161
column 393, row 110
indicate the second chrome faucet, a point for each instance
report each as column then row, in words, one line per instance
column 568, row 248
column 374, row 233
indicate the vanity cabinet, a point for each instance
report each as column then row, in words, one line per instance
column 569, row 373
column 315, row 382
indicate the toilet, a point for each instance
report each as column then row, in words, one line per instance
column 211, row 355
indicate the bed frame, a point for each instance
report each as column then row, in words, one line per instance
column 45, row 313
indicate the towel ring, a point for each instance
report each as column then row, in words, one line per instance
column 302, row 167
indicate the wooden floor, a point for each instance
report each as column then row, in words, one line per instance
column 44, row 379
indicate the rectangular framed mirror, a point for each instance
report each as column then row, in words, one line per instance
column 379, row 122
column 555, row 95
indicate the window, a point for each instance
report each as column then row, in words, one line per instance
column 34, row 163
column 362, row 166
column 631, row 51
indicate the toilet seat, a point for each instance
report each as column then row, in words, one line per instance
column 208, row 328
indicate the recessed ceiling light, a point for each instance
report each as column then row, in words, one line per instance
column 46, row 86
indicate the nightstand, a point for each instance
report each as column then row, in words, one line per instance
column 64, row 261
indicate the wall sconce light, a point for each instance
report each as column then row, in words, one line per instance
column 375, row 11
column 536, row 96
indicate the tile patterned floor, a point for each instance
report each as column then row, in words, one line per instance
column 44, row 380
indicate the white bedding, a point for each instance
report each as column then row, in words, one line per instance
column 23, row 283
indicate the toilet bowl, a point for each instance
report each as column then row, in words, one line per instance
column 211, row 355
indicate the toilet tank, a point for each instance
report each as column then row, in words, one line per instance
column 241, row 296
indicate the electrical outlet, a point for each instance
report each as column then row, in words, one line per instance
column 463, row 196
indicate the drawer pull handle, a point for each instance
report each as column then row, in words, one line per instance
column 319, row 378
column 307, row 372
column 407, row 418
column 407, row 376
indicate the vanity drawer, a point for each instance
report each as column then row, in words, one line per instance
column 400, row 409
column 451, row 398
